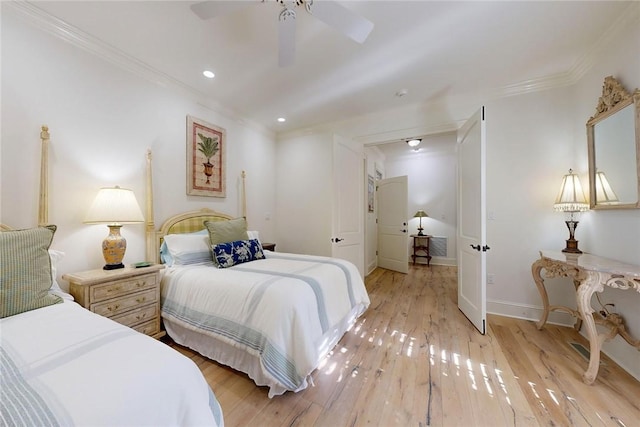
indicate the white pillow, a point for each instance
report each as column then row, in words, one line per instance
column 187, row 248
column 55, row 289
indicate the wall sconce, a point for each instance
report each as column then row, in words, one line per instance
column 414, row 142
column 420, row 214
column 114, row 206
column 604, row 192
column 571, row 201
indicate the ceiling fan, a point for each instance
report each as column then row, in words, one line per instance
column 330, row 12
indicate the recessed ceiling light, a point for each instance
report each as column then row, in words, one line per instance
column 401, row 93
column 282, row 119
column 414, row 142
column 208, row 74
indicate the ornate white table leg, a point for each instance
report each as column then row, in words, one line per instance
column 536, row 267
column 592, row 283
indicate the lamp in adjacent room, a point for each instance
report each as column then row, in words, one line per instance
column 114, row 206
column 571, row 201
column 604, row 192
column 420, row 214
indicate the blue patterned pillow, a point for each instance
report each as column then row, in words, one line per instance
column 232, row 253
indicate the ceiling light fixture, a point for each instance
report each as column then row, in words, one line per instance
column 281, row 119
column 208, row 74
column 414, row 142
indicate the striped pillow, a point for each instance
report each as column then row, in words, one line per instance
column 25, row 270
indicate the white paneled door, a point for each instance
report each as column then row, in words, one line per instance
column 471, row 236
column 392, row 198
column 348, row 202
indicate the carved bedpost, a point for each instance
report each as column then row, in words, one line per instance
column 244, row 195
column 150, row 227
column 43, row 202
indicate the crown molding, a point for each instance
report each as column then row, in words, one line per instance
column 631, row 16
column 78, row 38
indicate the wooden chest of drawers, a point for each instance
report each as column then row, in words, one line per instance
column 130, row 296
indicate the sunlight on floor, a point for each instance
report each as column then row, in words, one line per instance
column 480, row 377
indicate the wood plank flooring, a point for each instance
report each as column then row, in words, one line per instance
column 413, row 359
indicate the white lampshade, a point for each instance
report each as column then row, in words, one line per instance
column 114, row 205
column 571, row 197
column 604, row 192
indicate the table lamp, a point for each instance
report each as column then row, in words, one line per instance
column 114, row 206
column 571, row 201
column 420, row 214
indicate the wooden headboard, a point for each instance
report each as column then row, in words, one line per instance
column 186, row 222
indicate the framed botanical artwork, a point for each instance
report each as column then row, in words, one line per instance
column 206, row 147
column 370, row 192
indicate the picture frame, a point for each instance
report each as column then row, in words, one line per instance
column 370, row 193
column 206, row 150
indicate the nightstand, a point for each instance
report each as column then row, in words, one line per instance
column 269, row 246
column 130, row 296
column 421, row 247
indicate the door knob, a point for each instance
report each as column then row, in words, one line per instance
column 477, row 248
column 336, row 240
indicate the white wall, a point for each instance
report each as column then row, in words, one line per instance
column 102, row 119
column 304, row 197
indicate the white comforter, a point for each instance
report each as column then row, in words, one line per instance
column 63, row 365
column 288, row 311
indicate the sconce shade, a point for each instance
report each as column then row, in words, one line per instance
column 114, row 206
column 571, row 197
column 420, row 214
column 414, row 142
column 604, row 192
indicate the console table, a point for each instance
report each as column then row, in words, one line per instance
column 590, row 274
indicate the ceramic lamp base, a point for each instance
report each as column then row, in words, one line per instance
column 113, row 248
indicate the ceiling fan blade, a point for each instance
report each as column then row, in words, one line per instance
column 345, row 20
column 286, row 37
column 211, row 9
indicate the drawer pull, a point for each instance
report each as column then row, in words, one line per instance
column 140, row 284
column 115, row 289
column 113, row 308
column 141, row 316
column 141, row 300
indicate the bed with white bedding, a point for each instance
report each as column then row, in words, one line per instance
column 274, row 318
column 64, row 365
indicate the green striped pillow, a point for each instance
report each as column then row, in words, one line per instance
column 25, row 270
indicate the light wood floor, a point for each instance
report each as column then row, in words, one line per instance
column 414, row 360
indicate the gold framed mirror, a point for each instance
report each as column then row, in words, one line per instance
column 613, row 138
